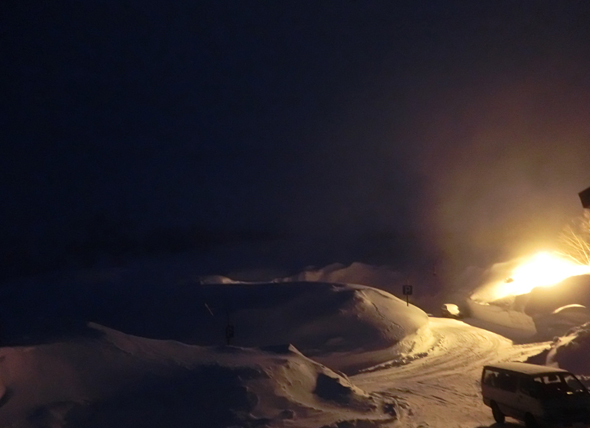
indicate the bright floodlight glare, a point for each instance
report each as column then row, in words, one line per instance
column 542, row 270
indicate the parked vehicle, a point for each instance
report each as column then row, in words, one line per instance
column 538, row 395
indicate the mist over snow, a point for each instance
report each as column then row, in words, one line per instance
column 525, row 298
column 210, row 208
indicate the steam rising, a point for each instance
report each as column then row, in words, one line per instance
column 506, row 159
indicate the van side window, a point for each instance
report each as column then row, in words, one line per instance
column 489, row 377
column 552, row 378
column 507, row 382
column 531, row 387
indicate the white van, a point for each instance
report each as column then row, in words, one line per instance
column 537, row 395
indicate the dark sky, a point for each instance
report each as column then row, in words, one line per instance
column 450, row 129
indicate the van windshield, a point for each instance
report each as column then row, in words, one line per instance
column 557, row 384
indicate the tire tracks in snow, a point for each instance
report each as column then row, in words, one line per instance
column 441, row 388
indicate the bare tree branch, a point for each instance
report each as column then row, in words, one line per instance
column 575, row 240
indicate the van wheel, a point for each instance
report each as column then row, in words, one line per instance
column 497, row 413
column 529, row 421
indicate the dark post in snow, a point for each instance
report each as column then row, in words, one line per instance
column 585, row 197
column 229, row 330
column 407, row 290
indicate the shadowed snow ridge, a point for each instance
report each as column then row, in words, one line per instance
column 323, row 320
column 571, row 351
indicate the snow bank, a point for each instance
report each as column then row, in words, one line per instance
column 326, row 321
column 118, row 380
column 355, row 273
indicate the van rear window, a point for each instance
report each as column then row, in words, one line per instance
column 489, row 377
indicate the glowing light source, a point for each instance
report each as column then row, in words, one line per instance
column 542, row 270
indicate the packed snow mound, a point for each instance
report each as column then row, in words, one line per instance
column 118, row 380
column 571, row 351
column 501, row 319
column 332, row 323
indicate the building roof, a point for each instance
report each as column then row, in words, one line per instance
column 585, row 197
column 530, row 369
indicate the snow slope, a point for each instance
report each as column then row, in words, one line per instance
column 506, row 321
column 117, row 380
column 333, row 323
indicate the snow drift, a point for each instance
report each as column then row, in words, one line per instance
column 118, row 380
column 571, row 351
column 503, row 320
column 332, row 323
column 171, row 366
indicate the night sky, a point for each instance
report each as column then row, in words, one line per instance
column 419, row 132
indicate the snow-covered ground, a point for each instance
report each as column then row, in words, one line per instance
column 155, row 356
column 442, row 389
column 118, row 380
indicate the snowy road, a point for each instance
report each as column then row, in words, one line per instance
column 442, row 388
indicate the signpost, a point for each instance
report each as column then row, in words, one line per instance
column 229, row 327
column 229, row 331
column 407, row 290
